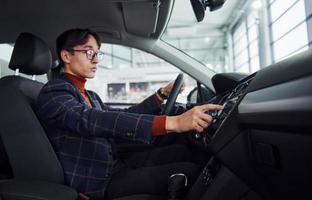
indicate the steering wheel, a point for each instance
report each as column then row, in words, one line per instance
column 173, row 95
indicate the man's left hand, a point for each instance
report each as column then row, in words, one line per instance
column 167, row 89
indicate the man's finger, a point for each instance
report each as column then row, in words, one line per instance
column 208, row 107
column 206, row 117
column 198, row 128
column 203, row 123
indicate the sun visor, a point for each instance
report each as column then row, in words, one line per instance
column 141, row 17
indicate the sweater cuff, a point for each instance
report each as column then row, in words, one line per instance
column 159, row 125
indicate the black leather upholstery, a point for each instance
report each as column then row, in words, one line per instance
column 35, row 168
column 28, row 87
column 35, row 190
column 31, row 55
column 5, row 168
column 30, row 154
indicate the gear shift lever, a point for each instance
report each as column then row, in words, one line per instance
column 176, row 186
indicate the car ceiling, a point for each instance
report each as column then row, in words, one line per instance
column 113, row 19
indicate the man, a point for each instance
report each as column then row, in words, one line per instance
column 81, row 128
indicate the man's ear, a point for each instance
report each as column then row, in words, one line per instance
column 65, row 55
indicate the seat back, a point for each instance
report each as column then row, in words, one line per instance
column 28, row 87
column 28, row 149
column 5, row 168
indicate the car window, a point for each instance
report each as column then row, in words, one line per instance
column 5, row 55
column 129, row 75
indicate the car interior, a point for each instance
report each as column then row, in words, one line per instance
column 258, row 147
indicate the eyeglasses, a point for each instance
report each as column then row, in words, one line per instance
column 91, row 54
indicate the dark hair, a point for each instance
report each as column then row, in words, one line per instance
column 73, row 37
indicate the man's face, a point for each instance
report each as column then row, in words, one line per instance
column 77, row 62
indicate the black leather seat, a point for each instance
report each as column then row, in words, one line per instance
column 36, row 171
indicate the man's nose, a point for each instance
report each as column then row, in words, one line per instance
column 95, row 59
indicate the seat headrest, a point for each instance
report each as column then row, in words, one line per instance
column 31, row 55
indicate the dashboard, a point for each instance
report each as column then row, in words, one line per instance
column 261, row 143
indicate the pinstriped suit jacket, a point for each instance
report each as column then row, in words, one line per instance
column 81, row 135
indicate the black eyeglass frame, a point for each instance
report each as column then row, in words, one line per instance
column 90, row 53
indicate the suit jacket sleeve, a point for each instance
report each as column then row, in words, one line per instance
column 59, row 105
column 148, row 106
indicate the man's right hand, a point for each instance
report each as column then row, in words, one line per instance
column 195, row 119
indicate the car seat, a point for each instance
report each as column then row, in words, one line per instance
column 35, row 170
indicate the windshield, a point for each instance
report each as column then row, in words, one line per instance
column 242, row 36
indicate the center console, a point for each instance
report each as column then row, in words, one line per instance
column 216, row 181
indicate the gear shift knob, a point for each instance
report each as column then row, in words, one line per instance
column 176, row 186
